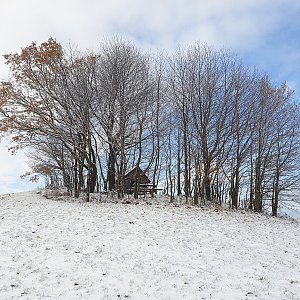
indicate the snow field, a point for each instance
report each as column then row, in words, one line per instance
column 68, row 250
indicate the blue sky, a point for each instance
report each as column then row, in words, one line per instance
column 264, row 33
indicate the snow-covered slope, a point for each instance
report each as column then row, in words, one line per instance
column 66, row 250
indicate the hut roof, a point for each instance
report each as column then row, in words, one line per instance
column 133, row 170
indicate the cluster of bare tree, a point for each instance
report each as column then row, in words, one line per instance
column 199, row 121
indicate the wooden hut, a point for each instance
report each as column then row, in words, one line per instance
column 143, row 181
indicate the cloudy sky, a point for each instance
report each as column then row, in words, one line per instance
column 264, row 33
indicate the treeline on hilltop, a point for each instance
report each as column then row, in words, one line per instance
column 210, row 128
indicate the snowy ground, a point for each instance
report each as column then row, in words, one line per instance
column 67, row 250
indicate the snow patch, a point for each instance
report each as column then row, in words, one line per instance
column 69, row 250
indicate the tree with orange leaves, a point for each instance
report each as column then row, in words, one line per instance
column 49, row 96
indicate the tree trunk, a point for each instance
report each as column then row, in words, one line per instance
column 178, row 166
column 111, row 170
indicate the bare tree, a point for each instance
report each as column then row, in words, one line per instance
column 123, row 87
column 212, row 90
column 284, row 170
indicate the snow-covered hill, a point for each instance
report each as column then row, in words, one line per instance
column 66, row 250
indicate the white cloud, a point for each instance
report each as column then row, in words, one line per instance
column 160, row 23
column 11, row 167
